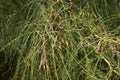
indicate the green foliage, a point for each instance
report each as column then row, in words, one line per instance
column 60, row 40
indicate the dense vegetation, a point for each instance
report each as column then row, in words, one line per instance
column 59, row 39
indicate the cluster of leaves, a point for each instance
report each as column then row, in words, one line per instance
column 60, row 40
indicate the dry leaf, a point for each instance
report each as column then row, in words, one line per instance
column 43, row 60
